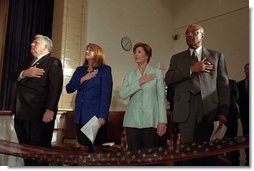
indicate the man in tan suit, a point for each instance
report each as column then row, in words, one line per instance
column 200, row 78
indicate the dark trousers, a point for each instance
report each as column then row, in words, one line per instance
column 197, row 128
column 232, row 127
column 141, row 138
column 83, row 140
column 245, row 127
column 36, row 133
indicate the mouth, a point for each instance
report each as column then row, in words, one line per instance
column 190, row 40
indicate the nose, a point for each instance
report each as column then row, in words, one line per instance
column 189, row 34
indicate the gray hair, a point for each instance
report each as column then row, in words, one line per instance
column 46, row 40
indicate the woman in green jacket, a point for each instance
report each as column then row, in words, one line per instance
column 145, row 118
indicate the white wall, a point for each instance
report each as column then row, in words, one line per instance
column 147, row 21
column 226, row 24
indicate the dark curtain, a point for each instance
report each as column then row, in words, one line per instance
column 26, row 18
column 4, row 4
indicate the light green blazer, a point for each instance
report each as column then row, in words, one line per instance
column 147, row 103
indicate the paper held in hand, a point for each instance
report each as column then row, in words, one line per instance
column 218, row 131
column 91, row 128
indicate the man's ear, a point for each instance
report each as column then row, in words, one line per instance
column 46, row 46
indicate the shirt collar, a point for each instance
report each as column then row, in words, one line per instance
column 42, row 55
column 198, row 50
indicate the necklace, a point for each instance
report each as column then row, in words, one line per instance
column 89, row 70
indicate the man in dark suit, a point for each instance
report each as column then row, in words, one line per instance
column 200, row 81
column 39, row 85
column 243, row 102
column 232, row 123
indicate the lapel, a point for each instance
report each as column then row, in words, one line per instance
column 148, row 69
column 41, row 60
column 205, row 54
column 187, row 57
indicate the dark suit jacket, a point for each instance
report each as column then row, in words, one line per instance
column 170, row 96
column 233, row 110
column 234, row 96
column 93, row 96
column 243, row 103
column 35, row 95
column 214, row 85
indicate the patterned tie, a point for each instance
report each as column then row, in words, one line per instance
column 195, row 87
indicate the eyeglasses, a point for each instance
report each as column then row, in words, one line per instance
column 194, row 33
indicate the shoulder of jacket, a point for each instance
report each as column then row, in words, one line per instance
column 156, row 70
column 81, row 68
column 182, row 54
column 106, row 66
column 53, row 58
column 212, row 51
column 130, row 73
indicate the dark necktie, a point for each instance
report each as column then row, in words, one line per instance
column 195, row 87
column 32, row 63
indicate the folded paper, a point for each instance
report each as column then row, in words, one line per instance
column 218, row 131
column 91, row 128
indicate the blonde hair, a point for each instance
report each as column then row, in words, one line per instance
column 98, row 53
